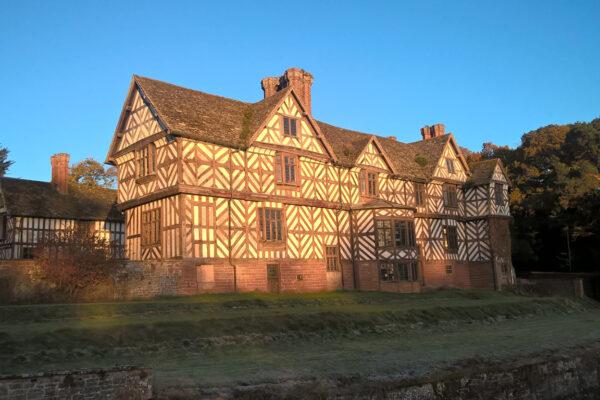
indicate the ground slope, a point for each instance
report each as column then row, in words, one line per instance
column 231, row 340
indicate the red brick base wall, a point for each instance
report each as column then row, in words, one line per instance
column 435, row 275
column 188, row 277
column 368, row 279
column 348, row 274
column 482, row 276
column 368, row 275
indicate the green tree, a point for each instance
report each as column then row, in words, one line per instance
column 555, row 195
column 90, row 172
column 4, row 163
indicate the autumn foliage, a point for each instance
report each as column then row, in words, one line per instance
column 74, row 260
column 555, row 196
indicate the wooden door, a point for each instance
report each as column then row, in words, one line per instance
column 273, row 278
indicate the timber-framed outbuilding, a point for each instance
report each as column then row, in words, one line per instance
column 31, row 210
column 261, row 196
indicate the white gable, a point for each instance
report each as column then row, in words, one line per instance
column 441, row 169
column 372, row 157
column 306, row 137
column 139, row 122
column 499, row 174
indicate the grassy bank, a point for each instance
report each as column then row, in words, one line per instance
column 210, row 340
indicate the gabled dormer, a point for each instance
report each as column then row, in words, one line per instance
column 138, row 122
column 451, row 164
column 374, row 156
column 290, row 127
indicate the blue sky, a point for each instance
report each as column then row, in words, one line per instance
column 490, row 71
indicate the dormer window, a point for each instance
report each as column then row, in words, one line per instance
column 450, row 165
column 289, row 126
column 146, row 160
column 368, row 183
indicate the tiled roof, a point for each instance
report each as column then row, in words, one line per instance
column 204, row 116
column 228, row 122
column 348, row 145
column 482, row 172
column 23, row 197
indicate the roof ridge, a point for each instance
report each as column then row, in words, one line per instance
column 23, row 179
column 76, row 184
column 195, row 90
column 435, row 139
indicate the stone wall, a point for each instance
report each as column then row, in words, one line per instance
column 565, row 286
column 133, row 383
column 146, row 279
column 573, row 376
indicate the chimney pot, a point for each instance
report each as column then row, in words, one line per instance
column 432, row 131
column 269, row 86
column 60, row 171
column 296, row 78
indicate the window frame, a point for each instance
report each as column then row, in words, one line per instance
column 399, row 271
column 281, row 168
column 145, row 161
column 368, row 180
column 419, row 194
column 292, row 126
column 389, row 266
column 3, row 227
column 151, row 229
column 410, row 235
column 450, row 166
column 450, row 197
column 385, row 233
column 498, row 194
column 265, row 220
column 451, row 242
column 332, row 258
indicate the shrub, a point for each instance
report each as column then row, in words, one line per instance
column 76, row 259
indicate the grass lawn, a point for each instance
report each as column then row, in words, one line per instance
column 225, row 340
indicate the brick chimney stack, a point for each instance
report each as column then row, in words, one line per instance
column 60, row 171
column 432, row 131
column 296, row 78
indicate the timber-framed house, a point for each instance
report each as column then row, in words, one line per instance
column 261, row 196
column 30, row 210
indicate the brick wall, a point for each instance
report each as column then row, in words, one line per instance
column 435, row 275
column 184, row 277
column 348, row 272
column 481, row 274
column 303, row 276
column 368, row 275
column 368, row 279
column 158, row 278
column 251, row 277
column 120, row 383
